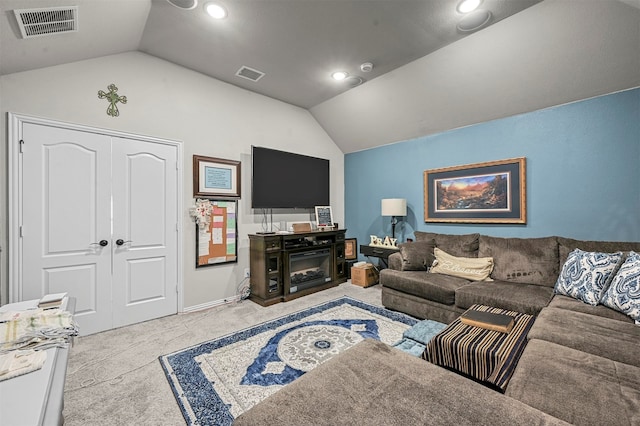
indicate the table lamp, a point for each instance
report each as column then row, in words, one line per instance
column 394, row 207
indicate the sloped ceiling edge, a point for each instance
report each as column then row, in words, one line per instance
column 504, row 70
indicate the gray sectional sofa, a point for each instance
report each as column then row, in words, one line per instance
column 581, row 364
column 524, row 274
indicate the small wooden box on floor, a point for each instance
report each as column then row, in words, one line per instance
column 364, row 276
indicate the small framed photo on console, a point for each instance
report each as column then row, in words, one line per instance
column 324, row 217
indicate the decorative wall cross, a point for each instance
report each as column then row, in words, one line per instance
column 113, row 98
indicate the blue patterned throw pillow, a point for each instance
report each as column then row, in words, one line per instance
column 586, row 275
column 624, row 293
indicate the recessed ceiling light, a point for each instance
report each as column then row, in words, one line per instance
column 339, row 75
column 184, row 4
column 466, row 6
column 474, row 20
column 354, row 80
column 215, row 10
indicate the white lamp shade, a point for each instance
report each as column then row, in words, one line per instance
column 394, row 207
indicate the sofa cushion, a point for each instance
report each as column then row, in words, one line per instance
column 410, row 346
column 417, row 256
column 586, row 275
column 525, row 298
column 608, row 338
column 471, row 268
column 437, row 287
column 522, row 260
column 423, row 331
column 578, row 387
column 569, row 303
column 425, row 237
column 567, row 245
column 374, row 384
column 624, row 292
column 457, row 245
column 419, row 307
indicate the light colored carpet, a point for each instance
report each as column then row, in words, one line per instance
column 114, row 377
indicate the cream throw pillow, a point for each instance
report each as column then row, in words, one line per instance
column 471, row 268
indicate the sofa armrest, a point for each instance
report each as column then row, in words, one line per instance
column 395, row 261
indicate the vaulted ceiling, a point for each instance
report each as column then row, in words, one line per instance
column 297, row 44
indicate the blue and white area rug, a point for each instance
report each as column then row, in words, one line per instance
column 216, row 381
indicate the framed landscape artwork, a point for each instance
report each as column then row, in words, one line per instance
column 491, row 192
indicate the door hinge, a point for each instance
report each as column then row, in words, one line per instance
column 21, row 142
column 21, row 234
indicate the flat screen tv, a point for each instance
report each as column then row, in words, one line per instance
column 282, row 179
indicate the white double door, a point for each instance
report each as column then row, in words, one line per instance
column 99, row 221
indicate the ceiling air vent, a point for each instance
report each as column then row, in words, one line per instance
column 249, row 73
column 46, row 21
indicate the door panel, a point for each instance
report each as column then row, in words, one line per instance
column 61, row 182
column 66, row 212
column 146, row 280
column 145, row 216
column 79, row 281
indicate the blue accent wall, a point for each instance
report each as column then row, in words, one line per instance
column 583, row 172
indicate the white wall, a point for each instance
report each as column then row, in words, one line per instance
column 552, row 53
column 210, row 117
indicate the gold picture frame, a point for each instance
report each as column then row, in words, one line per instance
column 490, row 192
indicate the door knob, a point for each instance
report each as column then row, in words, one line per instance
column 101, row 243
column 120, row 241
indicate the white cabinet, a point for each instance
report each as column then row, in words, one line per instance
column 36, row 398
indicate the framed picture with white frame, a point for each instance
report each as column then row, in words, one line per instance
column 324, row 216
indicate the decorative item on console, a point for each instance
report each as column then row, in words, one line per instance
column 324, row 218
column 386, row 242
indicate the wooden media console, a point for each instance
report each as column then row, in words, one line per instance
column 287, row 266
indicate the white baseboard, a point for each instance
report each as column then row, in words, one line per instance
column 212, row 304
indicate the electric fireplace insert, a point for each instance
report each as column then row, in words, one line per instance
column 309, row 269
